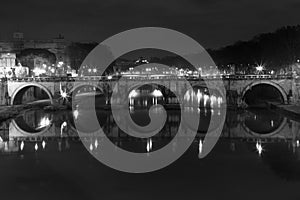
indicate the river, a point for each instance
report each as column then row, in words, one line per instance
column 256, row 157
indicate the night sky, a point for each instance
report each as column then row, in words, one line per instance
column 213, row 23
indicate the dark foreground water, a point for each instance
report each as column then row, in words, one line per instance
column 257, row 157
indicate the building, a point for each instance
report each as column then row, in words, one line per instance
column 18, row 43
column 9, row 68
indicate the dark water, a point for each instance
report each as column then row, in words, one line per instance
column 257, row 157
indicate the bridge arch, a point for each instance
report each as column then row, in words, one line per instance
column 19, row 92
column 265, row 82
column 83, row 85
column 154, row 85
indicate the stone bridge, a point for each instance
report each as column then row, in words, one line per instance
column 239, row 84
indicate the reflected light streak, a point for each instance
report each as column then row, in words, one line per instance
column 220, row 101
column 213, row 99
column 200, row 147
column 199, row 96
column 45, row 121
column 259, row 148
column 22, row 145
column 63, row 125
column 96, row 143
column 91, row 147
column 36, row 147
column 149, row 145
column 75, row 114
column 206, row 97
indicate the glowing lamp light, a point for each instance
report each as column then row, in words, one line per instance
column 157, row 93
column 38, row 71
column 259, row 68
column 133, row 94
column 64, row 94
column 109, row 77
column 75, row 114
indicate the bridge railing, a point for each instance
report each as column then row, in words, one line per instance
column 147, row 77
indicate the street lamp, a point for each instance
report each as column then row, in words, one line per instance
column 259, row 68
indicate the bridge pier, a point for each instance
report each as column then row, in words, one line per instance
column 4, row 97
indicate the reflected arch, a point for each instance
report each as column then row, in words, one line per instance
column 27, row 133
column 19, row 92
column 270, row 84
column 273, row 132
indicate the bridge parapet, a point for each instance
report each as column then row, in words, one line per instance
column 147, row 77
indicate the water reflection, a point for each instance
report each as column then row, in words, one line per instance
column 262, row 131
column 249, row 124
column 265, row 122
column 34, row 121
column 202, row 98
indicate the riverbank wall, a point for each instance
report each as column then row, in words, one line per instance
column 290, row 110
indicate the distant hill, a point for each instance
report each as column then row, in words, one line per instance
column 275, row 50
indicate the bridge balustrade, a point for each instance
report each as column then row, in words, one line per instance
column 147, row 77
